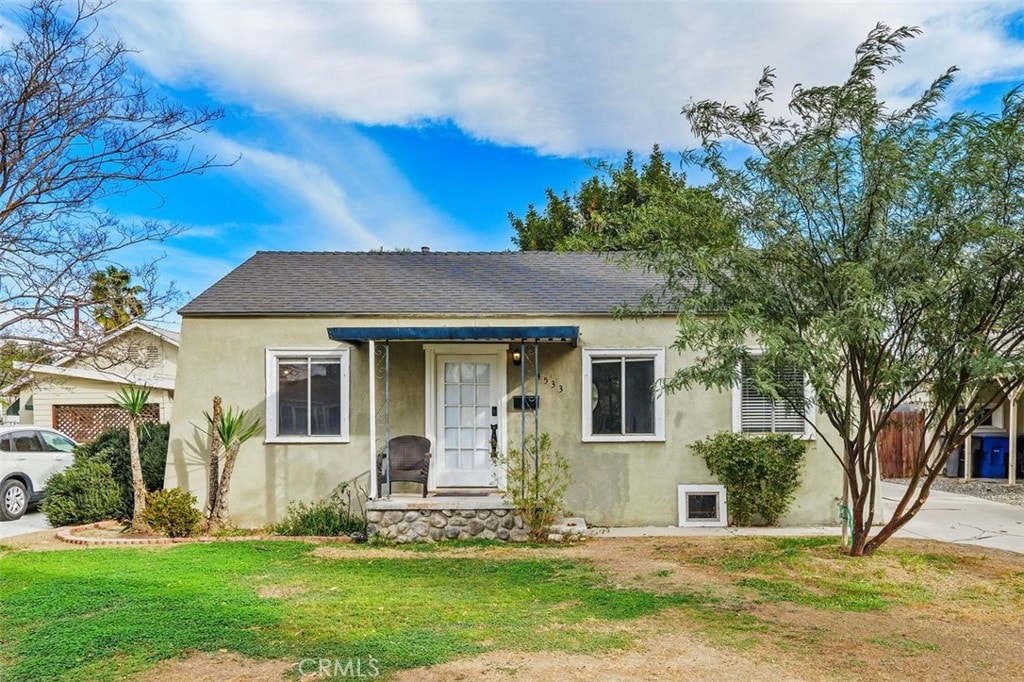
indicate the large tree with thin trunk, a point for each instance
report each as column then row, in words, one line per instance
column 77, row 126
column 878, row 250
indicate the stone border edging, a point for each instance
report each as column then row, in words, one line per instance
column 68, row 535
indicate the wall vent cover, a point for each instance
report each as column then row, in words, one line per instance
column 702, row 505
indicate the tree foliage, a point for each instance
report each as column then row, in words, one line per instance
column 116, row 302
column 598, row 216
column 879, row 250
column 77, row 127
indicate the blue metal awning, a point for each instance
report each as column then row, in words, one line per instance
column 567, row 334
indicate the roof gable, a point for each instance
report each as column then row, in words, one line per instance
column 388, row 283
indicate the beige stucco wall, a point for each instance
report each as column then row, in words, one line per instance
column 612, row 483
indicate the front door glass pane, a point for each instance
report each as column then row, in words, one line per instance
column 467, row 398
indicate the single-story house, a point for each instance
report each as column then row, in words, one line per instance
column 339, row 352
column 73, row 393
column 995, row 448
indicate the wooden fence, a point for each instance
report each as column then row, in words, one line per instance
column 898, row 444
column 84, row 422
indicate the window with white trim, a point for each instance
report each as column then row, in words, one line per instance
column 755, row 412
column 307, row 395
column 620, row 401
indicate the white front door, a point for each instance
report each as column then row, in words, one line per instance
column 468, row 409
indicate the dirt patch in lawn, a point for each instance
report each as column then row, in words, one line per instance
column 665, row 650
column 216, row 667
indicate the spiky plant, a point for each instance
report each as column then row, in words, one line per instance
column 233, row 427
column 133, row 400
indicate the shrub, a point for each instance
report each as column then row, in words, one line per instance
column 537, row 478
column 85, row 492
column 173, row 512
column 333, row 515
column 760, row 473
column 111, row 447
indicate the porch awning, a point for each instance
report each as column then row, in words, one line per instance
column 567, row 334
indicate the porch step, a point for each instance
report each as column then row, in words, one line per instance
column 569, row 527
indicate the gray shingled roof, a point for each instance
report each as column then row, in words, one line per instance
column 516, row 283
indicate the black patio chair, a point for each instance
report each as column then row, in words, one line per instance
column 410, row 462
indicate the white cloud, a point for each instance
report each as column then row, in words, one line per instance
column 567, row 78
column 335, row 190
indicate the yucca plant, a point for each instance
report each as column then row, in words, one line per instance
column 133, row 400
column 228, row 428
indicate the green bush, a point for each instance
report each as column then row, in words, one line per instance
column 111, row 447
column 334, row 515
column 85, row 492
column 760, row 473
column 536, row 492
column 172, row 512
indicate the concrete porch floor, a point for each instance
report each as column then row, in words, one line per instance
column 461, row 500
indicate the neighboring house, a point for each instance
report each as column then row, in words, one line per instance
column 73, row 394
column 339, row 351
column 995, row 449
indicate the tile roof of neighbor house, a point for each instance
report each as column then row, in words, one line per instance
column 348, row 283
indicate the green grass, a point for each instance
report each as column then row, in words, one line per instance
column 106, row 613
column 812, row 571
column 836, row 595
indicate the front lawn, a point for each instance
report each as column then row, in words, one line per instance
column 105, row 613
column 631, row 608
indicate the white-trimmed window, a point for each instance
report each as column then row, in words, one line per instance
column 620, row 402
column 755, row 412
column 307, row 395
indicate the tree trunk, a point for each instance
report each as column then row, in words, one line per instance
column 138, row 483
column 213, row 482
column 220, row 514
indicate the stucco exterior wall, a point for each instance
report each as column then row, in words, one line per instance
column 612, row 483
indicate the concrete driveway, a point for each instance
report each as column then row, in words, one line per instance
column 29, row 523
column 965, row 520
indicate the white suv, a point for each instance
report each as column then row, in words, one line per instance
column 29, row 455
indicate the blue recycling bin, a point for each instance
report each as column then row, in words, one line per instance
column 994, row 457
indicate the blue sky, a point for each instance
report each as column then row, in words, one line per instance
column 367, row 125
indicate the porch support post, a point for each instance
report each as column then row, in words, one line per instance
column 536, row 416
column 1011, row 430
column 387, row 414
column 372, row 378
column 522, row 414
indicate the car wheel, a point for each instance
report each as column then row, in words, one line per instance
column 13, row 500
